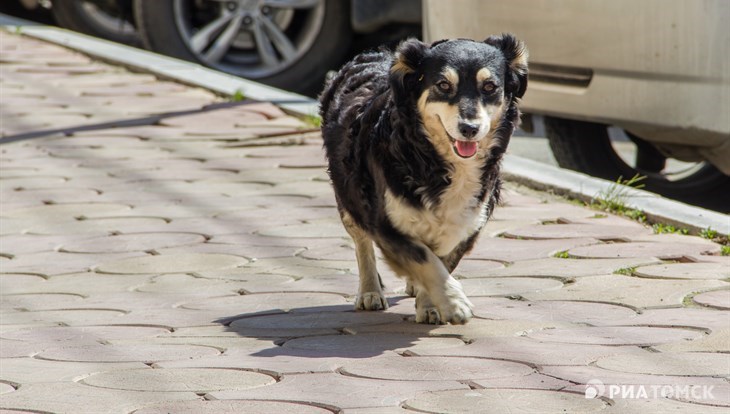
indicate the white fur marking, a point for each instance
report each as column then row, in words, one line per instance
column 443, row 224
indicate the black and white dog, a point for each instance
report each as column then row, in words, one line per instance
column 414, row 141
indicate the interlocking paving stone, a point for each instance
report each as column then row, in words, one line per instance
column 576, row 230
column 69, row 397
column 231, row 407
column 434, row 368
column 67, row 211
column 310, row 321
column 662, row 406
column 716, row 341
column 263, row 302
column 99, row 226
column 273, row 359
column 377, row 410
column 71, row 317
column 685, row 364
column 716, row 299
column 719, row 396
column 616, row 335
column 476, row 328
column 511, row 250
column 685, row 271
column 584, row 374
column 506, row 286
column 531, row 351
column 183, row 283
column 370, row 344
column 532, row 381
column 504, row 400
column 665, row 251
column 476, row 268
column 20, row 283
column 40, row 301
column 328, row 389
column 126, row 353
column 173, row 263
column 88, row 334
column 697, row 317
column 131, row 242
column 34, row 371
column 593, row 313
column 63, row 263
column 15, row 349
column 631, row 291
column 36, row 196
column 197, row 380
column 81, row 283
column 314, row 230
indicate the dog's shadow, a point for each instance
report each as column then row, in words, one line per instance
column 336, row 331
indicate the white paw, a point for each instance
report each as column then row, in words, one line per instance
column 454, row 308
column 371, row 301
column 456, row 312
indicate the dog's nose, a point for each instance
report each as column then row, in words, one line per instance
column 468, row 130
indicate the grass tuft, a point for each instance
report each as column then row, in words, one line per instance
column 313, row 121
column 661, row 228
column 562, row 255
column 709, row 233
column 613, row 199
column 626, row 271
column 238, row 96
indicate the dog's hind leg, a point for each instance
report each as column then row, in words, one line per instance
column 370, row 294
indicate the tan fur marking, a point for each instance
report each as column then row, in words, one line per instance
column 399, row 66
column 521, row 58
column 482, row 75
column 451, row 75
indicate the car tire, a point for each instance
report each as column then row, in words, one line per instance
column 77, row 16
column 586, row 147
column 305, row 74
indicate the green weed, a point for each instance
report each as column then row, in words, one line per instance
column 613, row 199
column 313, row 121
column 238, row 96
column 626, row 271
column 709, row 233
column 661, row 228
column 562, row 255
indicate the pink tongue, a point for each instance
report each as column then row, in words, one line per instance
column 466, row 148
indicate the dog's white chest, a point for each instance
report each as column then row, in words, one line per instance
column 442, row 224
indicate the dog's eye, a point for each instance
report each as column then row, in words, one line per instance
column 444, row 86
column 489, row 87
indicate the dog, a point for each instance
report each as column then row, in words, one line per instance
column 413, row 140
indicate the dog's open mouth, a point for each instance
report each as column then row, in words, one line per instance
column 465, row 149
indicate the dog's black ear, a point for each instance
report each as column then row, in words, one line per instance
column 408, row 57
column 516, row 54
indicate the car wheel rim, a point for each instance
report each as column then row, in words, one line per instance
column 107, row 21
column 673, row 171
column 250, row 38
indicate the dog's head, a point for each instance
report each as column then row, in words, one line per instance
column 461, row 88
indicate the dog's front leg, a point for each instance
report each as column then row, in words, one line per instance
column 370, row 294
column 440, row 298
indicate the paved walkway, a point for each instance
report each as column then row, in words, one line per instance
column 193, row 262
